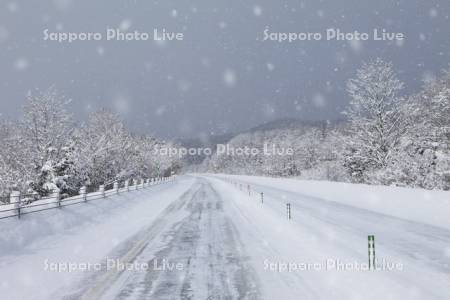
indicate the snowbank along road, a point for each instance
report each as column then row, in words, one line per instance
column 210, row 237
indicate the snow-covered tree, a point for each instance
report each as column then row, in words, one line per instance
column 45, row 151
column 103, row 148
column 57, row 174
column 46, row 131
column 376, row 122
column 162, row 164
column 425, row 157
column 15, row 169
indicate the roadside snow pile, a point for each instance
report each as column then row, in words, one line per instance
column 424, row 206
column 18, row 234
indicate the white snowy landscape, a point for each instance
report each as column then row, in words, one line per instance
column 205, row 237
column 223, row 150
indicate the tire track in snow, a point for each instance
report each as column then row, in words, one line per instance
column 196, row 232
column 94, row 286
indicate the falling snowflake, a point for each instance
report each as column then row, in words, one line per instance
column 184, row 85
column 257, row 10
column 229, row 77
column 125, row 25
column 400, row 43
column 205, row 62
column 21, row 64
column 160, row 110
column 297, row 105
column 319, row 100
column 222, row 25
column 121, row 104
column 160, row 43
column 355, row 45
column 100, row 51
column 59, row 26
column 13, row 7
column 341, row 57
column 433, row 12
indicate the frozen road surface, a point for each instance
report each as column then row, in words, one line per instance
column 229, row 237
column 193, row 250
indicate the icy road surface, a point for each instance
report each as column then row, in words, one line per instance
column 194, row 233
column 209, row 237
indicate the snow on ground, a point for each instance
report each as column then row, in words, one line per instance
column 80, row 233
column 231, row 245
column 429, row 207
column 323, row 231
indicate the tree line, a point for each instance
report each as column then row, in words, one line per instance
column 46, row 149
column 387, row 138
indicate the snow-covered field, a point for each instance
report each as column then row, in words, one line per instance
column 202, row 237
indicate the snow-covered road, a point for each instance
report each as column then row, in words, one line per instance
column 202, row 237
column 193, row 251
column 321, row 230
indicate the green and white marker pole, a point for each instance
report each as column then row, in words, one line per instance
column 371, row 241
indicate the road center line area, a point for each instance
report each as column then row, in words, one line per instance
column 192, row 251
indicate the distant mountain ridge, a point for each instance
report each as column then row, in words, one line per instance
column 285, row 123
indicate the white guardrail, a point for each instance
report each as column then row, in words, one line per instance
column 22, row 204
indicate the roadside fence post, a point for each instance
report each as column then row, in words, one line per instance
column 101, row 189
column 57, row 196
column 14, row 198
column 288, row 208
column 262, row 198
column 116, row 187
column 83, row 193
column 127, row 185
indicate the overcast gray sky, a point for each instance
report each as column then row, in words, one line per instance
column 221, row 77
